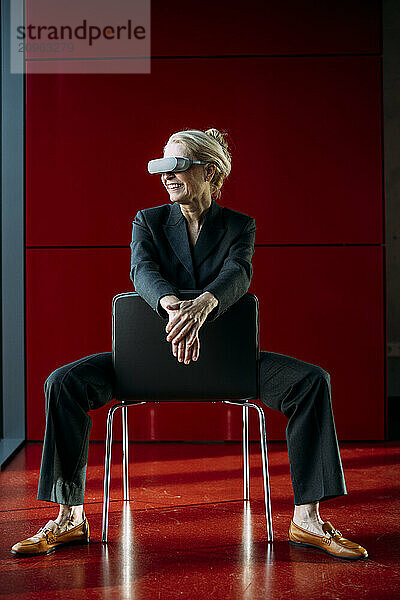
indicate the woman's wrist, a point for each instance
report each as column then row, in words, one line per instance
column 210, row 300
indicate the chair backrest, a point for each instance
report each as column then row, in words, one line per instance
column 145, row 368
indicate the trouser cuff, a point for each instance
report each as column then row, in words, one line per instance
column 62, row 492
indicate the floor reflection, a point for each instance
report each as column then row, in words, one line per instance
column 247, row 545
column 127, row 564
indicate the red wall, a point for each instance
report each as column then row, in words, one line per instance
column 299, row 91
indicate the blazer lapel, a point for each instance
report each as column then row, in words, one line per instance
column 176, row 232
column 210, row 234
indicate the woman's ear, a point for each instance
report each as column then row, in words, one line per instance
column 210, row 170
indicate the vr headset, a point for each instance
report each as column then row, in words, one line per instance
column 172, row 164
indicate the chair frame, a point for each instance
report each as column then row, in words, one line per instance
column 124, row 405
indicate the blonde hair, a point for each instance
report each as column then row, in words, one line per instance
column 210, row 146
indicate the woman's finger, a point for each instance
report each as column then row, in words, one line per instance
column 188, row 353
column 178, row 327
column 193, row 334
column 181, row 350
column 195, row 349
column 172, row 322
column 174, row 306
column 183, row 333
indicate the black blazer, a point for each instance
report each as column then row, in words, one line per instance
column 163, row 262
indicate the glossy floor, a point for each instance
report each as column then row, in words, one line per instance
column 187, row 534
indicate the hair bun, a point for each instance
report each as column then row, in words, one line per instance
column 217, row 135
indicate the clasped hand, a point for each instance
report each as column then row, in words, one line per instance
column 185, row 319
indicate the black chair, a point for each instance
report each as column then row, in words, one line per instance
column 227, row 370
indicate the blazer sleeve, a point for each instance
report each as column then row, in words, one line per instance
column 145, row 267
column 234, row 278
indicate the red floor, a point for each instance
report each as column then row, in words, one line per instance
column 187, row 534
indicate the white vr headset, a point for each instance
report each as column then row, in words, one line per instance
column 172, row 164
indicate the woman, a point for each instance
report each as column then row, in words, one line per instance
column 193, row 243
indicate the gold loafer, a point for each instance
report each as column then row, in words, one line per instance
column 332, row 542
column 47, row 539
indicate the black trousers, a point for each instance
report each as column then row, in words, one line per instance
column 300, row 390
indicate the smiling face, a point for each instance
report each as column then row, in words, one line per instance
column 187, row 187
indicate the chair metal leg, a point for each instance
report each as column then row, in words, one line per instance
column 125, row 452
column 245, row 439
column 107, row 464
column 264, row 457
column 107, row 470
